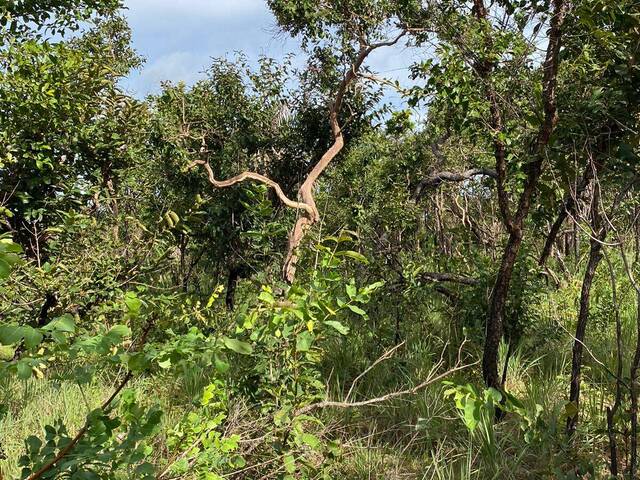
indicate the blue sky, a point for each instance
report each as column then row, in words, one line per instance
column 179, row 37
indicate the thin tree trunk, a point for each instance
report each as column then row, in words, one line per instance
column 633, row 463
column 495, row 322
column 613, row 410
column 583, row 316
column 515, row 223
column 595, row 256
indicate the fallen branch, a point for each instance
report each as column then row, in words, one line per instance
column 431, row 378
column 384, row 398
column 383, row 357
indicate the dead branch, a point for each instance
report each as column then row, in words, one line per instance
column 384, row 398
column 383, row 357
column 435, row 179
column 432, row 378
column 447, row 277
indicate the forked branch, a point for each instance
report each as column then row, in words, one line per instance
column 306, row 203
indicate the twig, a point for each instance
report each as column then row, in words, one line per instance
column 384, row 398
column 382, row 358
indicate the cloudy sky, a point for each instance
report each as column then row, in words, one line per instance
column 179, row 37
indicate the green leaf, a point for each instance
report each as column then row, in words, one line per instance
column 221, row 365
column 356, row 309
column 238, row 346
column 570, row 409
column 119, row 331
column 471, row 414
column 342, row 329
column 64, row 323
column 6, row 352
column 5, row 268
column 304, row 341
column 351, row 254
column 133, row 303
column 138, row 362
column 290, row 464
column 32, row 337
column 351, row 290
column 310, row 440
column 11, row 334
column 33, row 444
column 24, row 370
column 166, row 364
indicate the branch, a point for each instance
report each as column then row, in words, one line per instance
column 484, row 68
column 436, row 179
column 383, row 357
column 384, row 398
column 251, row 176
column 568, row 208
column 71, row 445
column 447, row 277
column 549, row 87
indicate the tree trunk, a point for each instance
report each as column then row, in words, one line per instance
column 495, row 321
column 633, row 463
column 595, row 256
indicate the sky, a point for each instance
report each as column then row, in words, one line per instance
column 178, row 38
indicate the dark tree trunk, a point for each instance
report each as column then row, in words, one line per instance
column 595, row 256
column 633, row 463
column 495, row 321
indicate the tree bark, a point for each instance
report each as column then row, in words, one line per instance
column 595, row 256
column 515, row 223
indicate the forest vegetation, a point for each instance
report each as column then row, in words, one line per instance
column 278, row 273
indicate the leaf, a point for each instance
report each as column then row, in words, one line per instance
column 290, row 464
column 5, row 268
column 304, row 341
column 351, row 254
column 33, row 444
column 310, row 440
column 238, row 346
column 342, row 329
column 351, row 290
column 32, row 337
column 10, row 334
column 570, row 409
column 24, row 370
column 138, row 362
column 133, row 303
column 471, row 414
column 119, row 331
column 221, row 365
column 166, row 364
column 266, row 297
column 64, row 323
column 356, row 309
column 6, row 352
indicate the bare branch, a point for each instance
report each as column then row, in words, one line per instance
column 384, row 398
column 383, row 357
column 447, row 277
column 435, row 179
column 251, row 176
